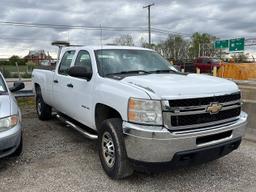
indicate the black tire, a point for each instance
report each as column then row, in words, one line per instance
column 43, row 110
column 18, row 151
column 121, row 166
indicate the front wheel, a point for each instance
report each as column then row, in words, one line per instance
column 112, row 150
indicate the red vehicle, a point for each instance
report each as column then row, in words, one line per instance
column 206, row 64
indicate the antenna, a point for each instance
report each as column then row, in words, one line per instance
column 68, row 36
column 101, row 36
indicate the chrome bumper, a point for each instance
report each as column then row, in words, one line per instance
column 9, row 140
column 158, row 144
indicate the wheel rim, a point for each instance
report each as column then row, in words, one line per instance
column 39, row 106
column 108, row 149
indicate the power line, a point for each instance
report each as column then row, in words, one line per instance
column 58, row 26
column 166, row 31
column 20, row 39
column 85, row 27
column 104, row 28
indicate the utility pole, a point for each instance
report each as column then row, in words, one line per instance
column 149, row 24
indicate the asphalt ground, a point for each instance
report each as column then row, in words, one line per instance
column 57, row 158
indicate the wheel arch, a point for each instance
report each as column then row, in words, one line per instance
column 37, row 87
column 103, row 112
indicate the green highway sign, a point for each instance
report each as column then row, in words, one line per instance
column 221, row 44
column 236, row 45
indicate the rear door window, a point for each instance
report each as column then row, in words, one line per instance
column 66, row 62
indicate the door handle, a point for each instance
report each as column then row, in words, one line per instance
column 70, row 85
column 55, row 81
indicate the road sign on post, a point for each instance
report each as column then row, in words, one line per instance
column 236, row 45
column 221, row 44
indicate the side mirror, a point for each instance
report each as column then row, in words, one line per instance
column 17, row 85
column 80, row 72
column 53, row 63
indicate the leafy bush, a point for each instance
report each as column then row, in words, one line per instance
column 30, row 66
column 26, row 75
column 5, row 72
column 14, row 75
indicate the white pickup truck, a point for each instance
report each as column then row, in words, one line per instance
column 140, row 108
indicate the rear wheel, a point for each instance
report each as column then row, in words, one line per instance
column 112, row 150
column 43, row 110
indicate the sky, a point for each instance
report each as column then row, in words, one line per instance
column 222, row 18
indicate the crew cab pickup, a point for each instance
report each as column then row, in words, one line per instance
column 140, row 108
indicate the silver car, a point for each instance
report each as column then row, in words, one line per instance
column 10, row 120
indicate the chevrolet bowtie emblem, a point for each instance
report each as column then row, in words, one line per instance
column 214, row 108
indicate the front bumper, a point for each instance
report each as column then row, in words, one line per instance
column 10, row 140
column 157, row 144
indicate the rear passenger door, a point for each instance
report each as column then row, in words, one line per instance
column 61, row 83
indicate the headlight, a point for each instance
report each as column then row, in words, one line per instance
column 8, row 122
column 144, row 111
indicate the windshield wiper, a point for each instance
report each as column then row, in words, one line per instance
column 164, row 71
column 130, row 72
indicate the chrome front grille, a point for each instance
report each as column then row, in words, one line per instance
column 205, row 100
column 194, row 113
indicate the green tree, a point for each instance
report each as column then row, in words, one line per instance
column 13, row 59
column 240, row 58
column 175, row 47
column 4, row 63
column 201, row 45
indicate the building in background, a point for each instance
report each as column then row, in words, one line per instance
column 38, row 57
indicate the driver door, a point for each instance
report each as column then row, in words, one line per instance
column 81, row 91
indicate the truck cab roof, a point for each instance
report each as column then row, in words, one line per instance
column 97, row 47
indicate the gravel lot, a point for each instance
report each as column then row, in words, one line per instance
column 57, row 158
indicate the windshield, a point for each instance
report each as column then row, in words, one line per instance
column 113, row 61
column 215, row 61
column 2, row 85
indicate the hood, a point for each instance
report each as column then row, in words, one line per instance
column 5, row 106
column 175, row 86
